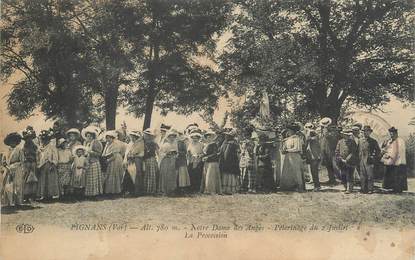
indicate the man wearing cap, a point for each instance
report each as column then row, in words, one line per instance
column 369, row 152
column 346, row 158
column 394, row 158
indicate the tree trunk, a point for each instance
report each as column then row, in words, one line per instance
column 149, row 109
column 111, row 96
column 151, row 97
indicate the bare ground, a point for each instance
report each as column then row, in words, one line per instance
column 331, row 206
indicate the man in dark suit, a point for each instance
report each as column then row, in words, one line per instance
column 347, row 157
column 313, row 157
column 369, row 153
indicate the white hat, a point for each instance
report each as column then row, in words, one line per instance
column 149, row 131
column 192, row 135
column 355, row 128
column 136, row 133
column 308, row 125
column 61, row 141
column 77, row 147
column 210, row 133
column 73, row 131
column 231, row 132
column 90, row 129
column 111, row 133
column 326, row 121
column 171, row 133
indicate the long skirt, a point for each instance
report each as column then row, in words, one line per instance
column 195, row 174
column 248, row 178
column 168, row 175
column 230, row 183
column 30, row 187
column 267, row 183
column 139, row 177
column 94, row 179
column 151, row 171
column 7, row 190
column 64, row 176
column 115, row 172
column 395, row 178
column 292, row 176
column 211, row 181
column 183, row 178
column 48, row 185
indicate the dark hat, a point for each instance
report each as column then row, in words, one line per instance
column 294, row 127
column 29, row 133
column 12, row 138
column 263, row 136
column 367, row 128
column 357, row 125
column 393, row 130
column 165, row 127
column 46, row 134
column 192, row 125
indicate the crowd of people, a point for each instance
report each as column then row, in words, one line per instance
column 91, row 163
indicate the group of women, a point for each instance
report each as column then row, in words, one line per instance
column 90, row 163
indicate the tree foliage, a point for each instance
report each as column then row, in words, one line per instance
column 169, row 75
column 37, row 41
column 315, row 55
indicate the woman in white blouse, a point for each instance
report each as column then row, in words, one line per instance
column 292, row 176
column 394, row 159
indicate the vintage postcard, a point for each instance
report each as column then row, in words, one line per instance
column 207, row 129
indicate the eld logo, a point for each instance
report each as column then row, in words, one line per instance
column 25, row 228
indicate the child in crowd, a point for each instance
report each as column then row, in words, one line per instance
column 79, row 166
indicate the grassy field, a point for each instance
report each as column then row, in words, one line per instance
column 330, row 206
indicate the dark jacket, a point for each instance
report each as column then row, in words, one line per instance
column 373, row 150
column 228, row 160
column 347, row 150
column 313, row 149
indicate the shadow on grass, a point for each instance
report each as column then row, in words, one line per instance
column 7, row 210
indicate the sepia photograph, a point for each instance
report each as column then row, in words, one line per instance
column 207, row 129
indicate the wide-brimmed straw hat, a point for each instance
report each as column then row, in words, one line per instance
column 308, row 126
column 90, row 129
column 73, row 131
column 78, row 147
column 149, row 131
column 135, row 133
column 347, row 131
column 61, row 141
column 172, row 133
column 326, row 121
column 111, row 133
column 193, row 135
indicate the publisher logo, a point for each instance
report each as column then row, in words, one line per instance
column 25, row 228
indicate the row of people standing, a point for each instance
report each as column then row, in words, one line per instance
column 56, row 164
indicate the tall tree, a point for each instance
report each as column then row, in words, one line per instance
column 106, row 26
column 37, row 42
column 169, row 75
column 315, row 55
